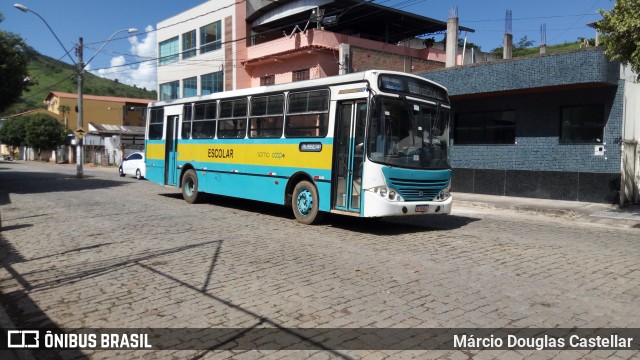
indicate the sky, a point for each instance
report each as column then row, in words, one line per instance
column 123, row 58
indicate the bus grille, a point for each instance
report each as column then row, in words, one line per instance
column 418, row 190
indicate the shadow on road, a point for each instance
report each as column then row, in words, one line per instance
column 267, row 209
column 401, row 225
column 376, row 226
column 26, row 314
column 25, row 182
column 23, row 312
column 41, row 182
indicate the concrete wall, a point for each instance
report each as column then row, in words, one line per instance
column 586, row 66
column 537, row 87
column 630, row 191
column 367, row 59
column 538, row 144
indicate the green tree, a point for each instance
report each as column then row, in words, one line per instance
column 13, row 133
column 521, row 48
column 620, row 28
column 44, row 132
column 13, row 69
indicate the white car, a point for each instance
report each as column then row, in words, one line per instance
column 133, row 165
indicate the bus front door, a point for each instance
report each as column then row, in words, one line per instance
column 171, row 172
column 349, row 142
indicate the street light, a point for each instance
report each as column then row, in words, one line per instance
column 26, row 9
column 80, row 70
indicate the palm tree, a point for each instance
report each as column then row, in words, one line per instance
column 64, row 110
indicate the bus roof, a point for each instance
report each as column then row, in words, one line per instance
column 312, row 83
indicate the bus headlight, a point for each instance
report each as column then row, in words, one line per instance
column 444, row 194
column 387, row 193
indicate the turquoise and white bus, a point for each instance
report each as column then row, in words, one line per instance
column 368, row 144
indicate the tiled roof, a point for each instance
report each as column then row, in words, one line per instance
column 116, row 129
column 99, row 98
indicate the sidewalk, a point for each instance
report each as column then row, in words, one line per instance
column 628, row 216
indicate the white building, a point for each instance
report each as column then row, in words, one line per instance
column 197, row 52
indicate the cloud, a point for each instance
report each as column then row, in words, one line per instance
column 139, row 70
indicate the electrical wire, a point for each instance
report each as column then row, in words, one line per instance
column 126, row 67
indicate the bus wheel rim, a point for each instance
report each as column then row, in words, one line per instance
column 304, row 202
column 189, row 187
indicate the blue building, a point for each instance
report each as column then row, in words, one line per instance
column 554, row 126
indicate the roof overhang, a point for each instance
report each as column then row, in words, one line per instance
column 388, row 24
column 281, row 56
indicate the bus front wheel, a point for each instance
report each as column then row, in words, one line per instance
column 305, row 203
column 190, row 191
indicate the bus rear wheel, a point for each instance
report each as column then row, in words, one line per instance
column 190, row 191
column 305, row 203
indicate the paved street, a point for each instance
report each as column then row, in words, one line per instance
column 111, row 252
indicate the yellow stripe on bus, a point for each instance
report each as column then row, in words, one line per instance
column 155, row 151
column 288, row 155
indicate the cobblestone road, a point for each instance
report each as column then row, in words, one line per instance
column 110, row 252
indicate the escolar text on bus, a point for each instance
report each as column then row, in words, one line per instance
column 220, row 153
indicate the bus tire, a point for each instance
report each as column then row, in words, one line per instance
column 190, row 191
column 305, row 203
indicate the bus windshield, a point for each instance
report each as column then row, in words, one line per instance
column 408, row 134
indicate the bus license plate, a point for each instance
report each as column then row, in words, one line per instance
column 422, row 208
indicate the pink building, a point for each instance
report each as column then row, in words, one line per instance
column 226, row 45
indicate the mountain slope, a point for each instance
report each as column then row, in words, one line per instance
column 52, row 75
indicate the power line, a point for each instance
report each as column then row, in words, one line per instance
column 580, row 18
column 530, row 18
column 127, row 66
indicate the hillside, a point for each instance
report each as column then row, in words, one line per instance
column 53, row 75
column 551, row 49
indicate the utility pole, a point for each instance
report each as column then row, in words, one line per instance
column 79, row 142
column 79, row 49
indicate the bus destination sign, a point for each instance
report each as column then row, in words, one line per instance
column 310, row 147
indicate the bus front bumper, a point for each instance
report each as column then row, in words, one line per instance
column 376, row 206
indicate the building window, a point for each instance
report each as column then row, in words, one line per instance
column 190, row 87
column 170, row 90
column 210, row 37
column 189, row 44
column 582, row 124
column 495, row 127
column 267, row 80
column 168, row 51
column 211, row 83
column 301, row 75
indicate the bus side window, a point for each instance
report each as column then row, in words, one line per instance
column 204, row 120
column 156, row 123
column 186, row 121
column 307, row 125
column 308, row 114
column 233, row 119
column 266, row 116
column 232, row 129
column 266, row 127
